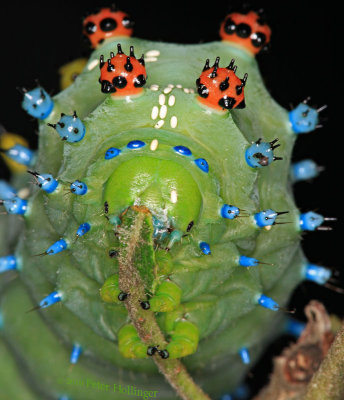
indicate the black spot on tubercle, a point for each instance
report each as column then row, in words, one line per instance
column 90, row 28
column 238, row 90
column 128, row 65
column 224, row 84
column 108, row 24
column 139, row 81
column 119, row 81
column 203, row 91
column 227, row 102
column 110, row 68
column 107, row 87
column 243, row 30
column 127, row 22
column 259, row 39
column 229, row 26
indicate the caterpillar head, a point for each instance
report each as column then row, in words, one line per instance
column 106, row 23
column 248, row 30
column 122, row 75
column 151, row 182
column 220, row 88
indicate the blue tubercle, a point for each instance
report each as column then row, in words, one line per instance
column 112, row 152
column 6, row 190
column 248, row 261
column 244, row 355
column 83, row 229
column 260, row 154
column 294, row 327
column 230, row 212
column 303, row 170
column 1, row 321
column 51, row 299
column 16, row 205
column 317, row 274
column 75, row 354
column 267, row 302
column 45, row 181
column 70, row 128
column 136, row 144
column 56, row 247
column 21, row 155
column 303, row 118
column 182, row 150
column 310, row 221
column 226, row 397
column 78, row 187
column 8, row 263
column 265, row 218
column 64, row 398
column 205, row 248
column 37, row 103
column 202, row 164
column 241, row 392
column 268, row 217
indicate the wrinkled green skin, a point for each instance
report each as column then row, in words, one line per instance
column 218, row 296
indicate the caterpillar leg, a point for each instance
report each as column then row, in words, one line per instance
column 166, row 298
column 130, row 344
column 110, row 291
column 184, row 339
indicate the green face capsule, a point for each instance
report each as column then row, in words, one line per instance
column 163, row 186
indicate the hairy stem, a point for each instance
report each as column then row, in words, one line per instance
column 328, row 381
column 137, row 248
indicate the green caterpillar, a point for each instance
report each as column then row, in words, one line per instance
column 147, row 215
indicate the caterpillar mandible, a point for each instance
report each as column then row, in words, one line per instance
column 167, row 159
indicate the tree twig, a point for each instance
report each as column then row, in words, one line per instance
column 328, row 382
column 138, row 220
column 295, row 367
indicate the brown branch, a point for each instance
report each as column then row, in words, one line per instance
column 144, row 321
column 294, row 368
column 328, row 382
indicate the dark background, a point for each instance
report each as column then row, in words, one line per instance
column 37, row 38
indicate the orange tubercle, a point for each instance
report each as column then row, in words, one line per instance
column 247, row 30
column 122, row 75
column 220, row 88
column 105, row 24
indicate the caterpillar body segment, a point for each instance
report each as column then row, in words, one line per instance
column 187, row 150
